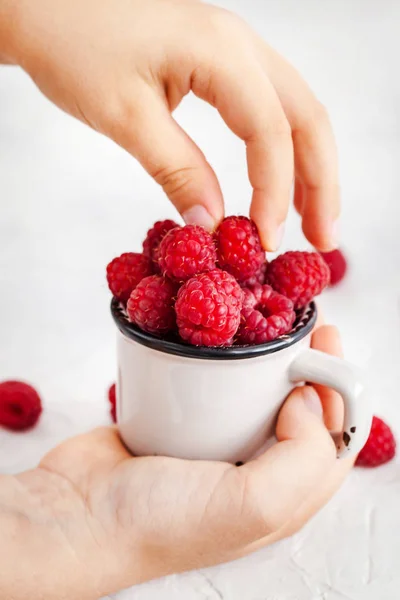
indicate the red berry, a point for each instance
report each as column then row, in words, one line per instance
column 249, row 299
column 380, row 446
column 300, row 276
column 257, row 278
column 239, row 248
column 113, row 403
column 151, row 305
column 125, row 272
column 154, row 237
column 337, row 265
column 265, row 315
column 20, row 405
column 208, row 309
column 186, row 251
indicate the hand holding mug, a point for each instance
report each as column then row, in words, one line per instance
column 110, row 520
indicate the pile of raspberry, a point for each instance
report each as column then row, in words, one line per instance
column 214, row 289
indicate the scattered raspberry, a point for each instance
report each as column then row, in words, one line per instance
column 208, row 309
column 125, row 272
column 265, row 315
column 300, row 276
column 113, row 403
column 186, row 251
column 239, row 248
column 154, row 237
column 151, row 305
column 337, row 265
column 380, row 446
column 257, row 278
column 20, row 405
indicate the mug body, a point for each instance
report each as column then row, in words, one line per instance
column 203, row 403
column 205, row 409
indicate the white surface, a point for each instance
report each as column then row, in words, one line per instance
column 70, row 200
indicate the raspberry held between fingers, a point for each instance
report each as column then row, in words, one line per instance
column 239, row 249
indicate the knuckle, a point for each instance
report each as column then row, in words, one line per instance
column 175, row 181
column 225, row 23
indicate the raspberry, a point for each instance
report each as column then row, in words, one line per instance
column 208, row 309
column 337, row 265
column 113, row 402
column 154, row 237
column 20, row 405
column 125, row 272
column 265, row 315
column 186, row 251
column 299, row 276
column 249, row 299
column 151, row 305
column 380, row 446
column 239, row 248
column 258, row 277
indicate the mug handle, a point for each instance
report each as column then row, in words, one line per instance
column 317, row 367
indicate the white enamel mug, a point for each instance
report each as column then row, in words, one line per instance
column 222, row 403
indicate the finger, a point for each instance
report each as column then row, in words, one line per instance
column 171, row 157
column 327, row 339
column 250, row 107
column 316, row 162
column 269, row 489
column 298, row 196
column 320, row 319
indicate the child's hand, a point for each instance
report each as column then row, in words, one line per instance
column 122, row 67
column 102, row 520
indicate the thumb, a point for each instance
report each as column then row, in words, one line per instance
column 171, row 157
column 300, row 416
column 265, row 493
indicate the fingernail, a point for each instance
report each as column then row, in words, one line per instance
column 273, row 240
column 198, row 215
column 312, row 401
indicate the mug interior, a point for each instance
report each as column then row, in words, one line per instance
column 303, row 325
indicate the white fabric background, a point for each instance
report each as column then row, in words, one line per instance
column 71, row 200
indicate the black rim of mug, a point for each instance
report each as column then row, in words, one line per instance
column 303, row 325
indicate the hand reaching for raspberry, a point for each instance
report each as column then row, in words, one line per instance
column 95, row 520
column 123, row 67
